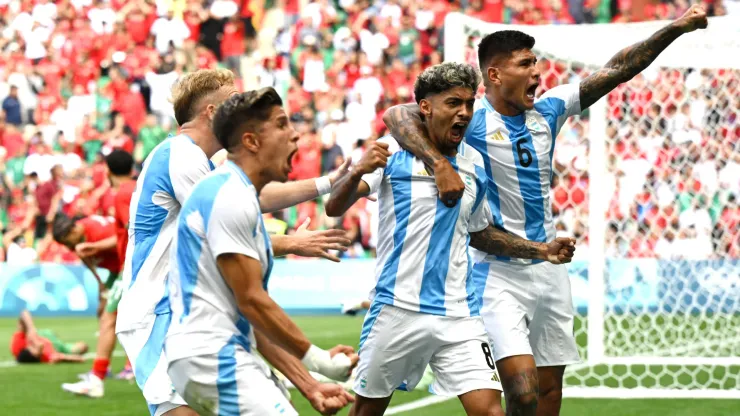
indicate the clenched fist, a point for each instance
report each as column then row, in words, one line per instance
column 375, row 157
column 694, row 18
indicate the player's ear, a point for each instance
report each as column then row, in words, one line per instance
column 493, row 75
column 251, row 141
column 425, row 107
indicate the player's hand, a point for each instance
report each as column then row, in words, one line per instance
column 694, row 18
column 85, row 250
column 328, row 399
column 449, row 184
column 560, row 250
column 376, row 156
column 349, row 352
column 342, row 170
column 319, row 243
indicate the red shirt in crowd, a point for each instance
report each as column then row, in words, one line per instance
column 97, row 228
column 138, row 25
column 232, row 43
column 44, row 194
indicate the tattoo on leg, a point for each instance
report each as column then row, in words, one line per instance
column 521, row 393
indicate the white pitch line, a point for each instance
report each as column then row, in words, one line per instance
column 417, row 404
column 88, row 356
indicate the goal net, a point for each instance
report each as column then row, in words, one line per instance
column 647, row 180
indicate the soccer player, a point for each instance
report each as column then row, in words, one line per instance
column 120, row 168
column 169, row 173
column 527, row 306
column 220, row 264
column 31, row 345
column 424, row 306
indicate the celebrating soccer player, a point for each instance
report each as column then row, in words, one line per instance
column 221, row 262
column 527, row 305
column 425, row 309
column 169, row 174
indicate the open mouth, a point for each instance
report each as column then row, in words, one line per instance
column 290, row 160
column 458, row 130
column 531, row 91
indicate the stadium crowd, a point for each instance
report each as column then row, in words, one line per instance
column 79, row 78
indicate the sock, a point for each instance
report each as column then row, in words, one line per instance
column 100, row 367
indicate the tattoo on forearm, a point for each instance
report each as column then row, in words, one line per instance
column 407, row 128
column 521, row 393
column 500, row 243
column 627, row 63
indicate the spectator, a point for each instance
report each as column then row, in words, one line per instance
column 48, row 200
column 12, row 107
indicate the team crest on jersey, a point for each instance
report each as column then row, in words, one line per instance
column 533, row 125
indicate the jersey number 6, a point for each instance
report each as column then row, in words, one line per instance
column 521, row 151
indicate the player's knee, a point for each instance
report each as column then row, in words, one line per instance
column 551, row 396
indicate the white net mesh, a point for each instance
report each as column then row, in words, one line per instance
column 671, row 259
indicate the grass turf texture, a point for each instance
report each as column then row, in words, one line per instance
column 36, row 389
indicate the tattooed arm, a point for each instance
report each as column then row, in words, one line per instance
column 632, row 60
column 404, row 122
column 500, row 243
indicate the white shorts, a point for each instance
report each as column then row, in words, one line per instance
column 145, row 349
column 396, row 345
column 232, row 382
column 528, row 310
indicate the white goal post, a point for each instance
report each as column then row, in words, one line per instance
column 657, row 293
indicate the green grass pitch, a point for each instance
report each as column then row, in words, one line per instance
column 36, row 389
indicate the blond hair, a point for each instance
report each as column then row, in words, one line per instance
column 195, row 86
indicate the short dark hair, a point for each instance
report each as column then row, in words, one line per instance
column 61, row 227
column 445, row 76
column 243, row 111
column 25, row 357
column 502, row 43
column 120, row 162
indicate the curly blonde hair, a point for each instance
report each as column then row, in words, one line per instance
column 195, row 86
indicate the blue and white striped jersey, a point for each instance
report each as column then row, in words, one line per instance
column 423, row 260
column 519, row 152
column 222, row 215
column 169, row 174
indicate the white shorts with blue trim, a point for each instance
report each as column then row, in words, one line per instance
column 528, row 310
column 233, row 382
column 145, row 349
column 396, row 346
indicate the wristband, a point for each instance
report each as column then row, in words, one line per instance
column 323, row 185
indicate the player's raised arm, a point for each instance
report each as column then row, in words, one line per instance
column 404, row 122
column 362, row 181
column 632, row 60
column 277, row 195
column 500, row 243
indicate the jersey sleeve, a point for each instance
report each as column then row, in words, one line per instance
column 185, row 172
column 559, row 103
column 373, row 180
column 233, row 228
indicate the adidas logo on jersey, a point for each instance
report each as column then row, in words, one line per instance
column 495, row 377
column 496, row 136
